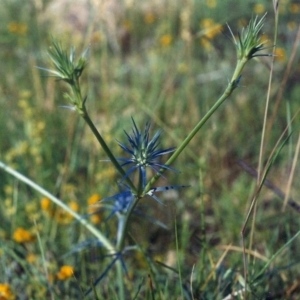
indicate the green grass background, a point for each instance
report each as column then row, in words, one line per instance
column 153, row 62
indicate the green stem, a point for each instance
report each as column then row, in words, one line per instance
column 84, row 114
column 233, row 84
column 123, row 224
column 106, row 149
column 120, row 275
column 104, row 241
column 119, row 247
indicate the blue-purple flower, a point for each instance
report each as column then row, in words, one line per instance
column 144, row 152
column 121, row 202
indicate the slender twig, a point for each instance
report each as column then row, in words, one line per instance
column 259, row 181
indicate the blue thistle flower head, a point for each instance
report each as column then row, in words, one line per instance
column 144, row 152
column 121, row 202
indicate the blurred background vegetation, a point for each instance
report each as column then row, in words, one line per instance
column 161, row 61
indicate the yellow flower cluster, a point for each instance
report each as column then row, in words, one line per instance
column 5, row 292
column 280, row 54
column 60, row 215
column 22, row 235
column 63, row 217
column 259, row 9
column 46, row 204
column 65, row 272
column 209, row 30
column 166, row 40
column 95, row 217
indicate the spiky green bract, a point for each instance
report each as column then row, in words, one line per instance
column 67, row 68
column 249, row 40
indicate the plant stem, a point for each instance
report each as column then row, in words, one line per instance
column 120, row 279
column 233, row 84
column 81, row 108
column 106, row 149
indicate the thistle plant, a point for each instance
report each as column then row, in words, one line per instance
column 145, row 153
column 248, row 45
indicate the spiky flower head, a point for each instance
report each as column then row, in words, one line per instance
column 66, row 66
column 68, row 69
column 249, row 40
column 144, row 152
column 121, row 202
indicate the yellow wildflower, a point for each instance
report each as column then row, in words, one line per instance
column 5, row 292
column 149, row 18
column 206, row 23
column 17, row 28
column 292, row 25
column 31, row 258
column 74, row 206
column 65, row 272
column 280, row 54
column 46, row 204
column 95, row 218
column 63, row 217
column 205, row 43
column 22, row 235
column 259, row 8
column 94, row 199
column 210, row 27
column 166, row 40
column 47, row 207
column 295, row 8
